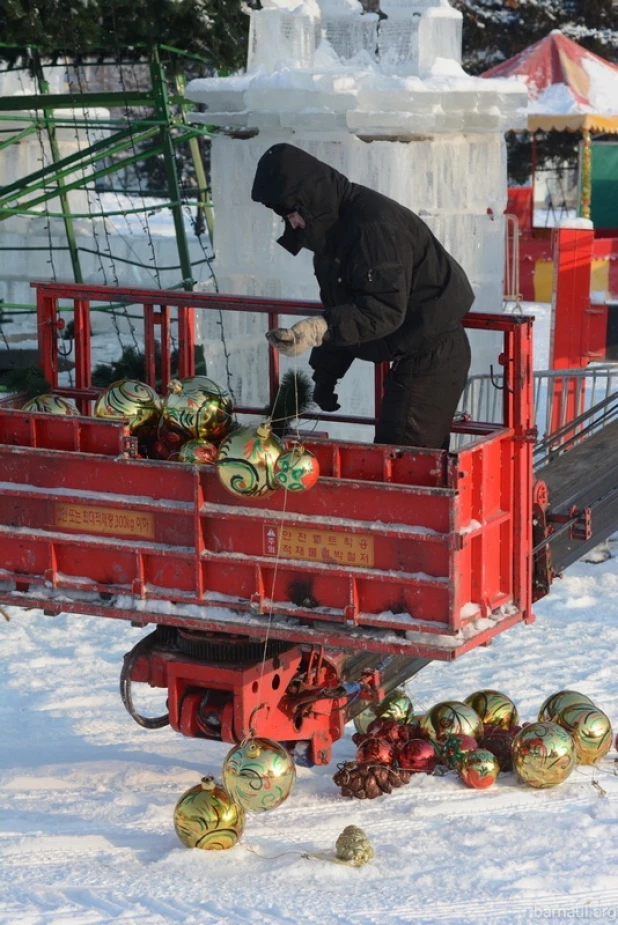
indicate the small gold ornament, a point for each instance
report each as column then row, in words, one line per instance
column 543, row 754
column 197, row 407
column 494, row 708
column 452, row 718
column 555, row 703
column 50, row 404
column 297, row 469
column 198, row 451
column 246, row 461
column 354, row 847
column 207, row 817
column 396, row 705
column 131, row 401
column 259, row 774
column 479, row 769
column 591, row 731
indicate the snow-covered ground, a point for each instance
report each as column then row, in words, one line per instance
column 87, row 796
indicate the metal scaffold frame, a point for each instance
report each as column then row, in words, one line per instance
column 164, row 127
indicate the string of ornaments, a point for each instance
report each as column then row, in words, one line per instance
column 194, row 423
column 479, row 738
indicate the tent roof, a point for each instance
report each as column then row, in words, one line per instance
column 569, row 88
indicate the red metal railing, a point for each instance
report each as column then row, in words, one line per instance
column 398, row 550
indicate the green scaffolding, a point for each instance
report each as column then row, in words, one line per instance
column 157, row 116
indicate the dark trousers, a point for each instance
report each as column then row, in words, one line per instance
column 421, row 393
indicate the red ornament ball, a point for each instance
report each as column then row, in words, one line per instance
column 376, row 749
column 418, row 755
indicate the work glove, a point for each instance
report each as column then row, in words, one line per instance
column 324, row 396
column 302, row 336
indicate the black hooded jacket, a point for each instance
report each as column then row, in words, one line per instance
column 388, row 286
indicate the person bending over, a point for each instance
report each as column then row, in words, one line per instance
column 390, row 291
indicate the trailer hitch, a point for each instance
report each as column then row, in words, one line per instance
column 578, row 520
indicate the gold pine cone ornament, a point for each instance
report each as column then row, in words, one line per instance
column 207, row 817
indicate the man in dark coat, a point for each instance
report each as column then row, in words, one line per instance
column 390, row 292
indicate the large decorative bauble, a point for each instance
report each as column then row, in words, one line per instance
column 362, row 721
column 198, row 451
column 131, row 401
column 479, row 769
column 198, row 407
column 452, row 717
column 259, row 774
column 418, row 755
column 396, row 705
column 543, row 754
column 246, row 461
column 455, row 747
column 50, row 404
column 297, row 469
column 375, row 749
column 555, row 703
column 591, row 731
column 207, row 817
column 494, row 708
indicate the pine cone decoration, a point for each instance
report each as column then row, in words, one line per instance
column 368, row 780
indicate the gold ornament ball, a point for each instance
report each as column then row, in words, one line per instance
column 199, row 452
column 207, row 817
column 50, row 404
column 396, row 705
column 479, row 769
column 131, row 401
column 555, row 703
column 246, row 461
column 543, row 754
column 494, row 708
column 259, row 774
column 452, row 718
column 197, row 407
column 591, row 731
column 297, row 469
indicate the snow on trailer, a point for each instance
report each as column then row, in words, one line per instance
column 397, row 556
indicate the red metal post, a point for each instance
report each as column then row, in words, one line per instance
column 83, row 379
column 186, row 341
column 571, row 302
column 163, row 319
column 47, row 335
